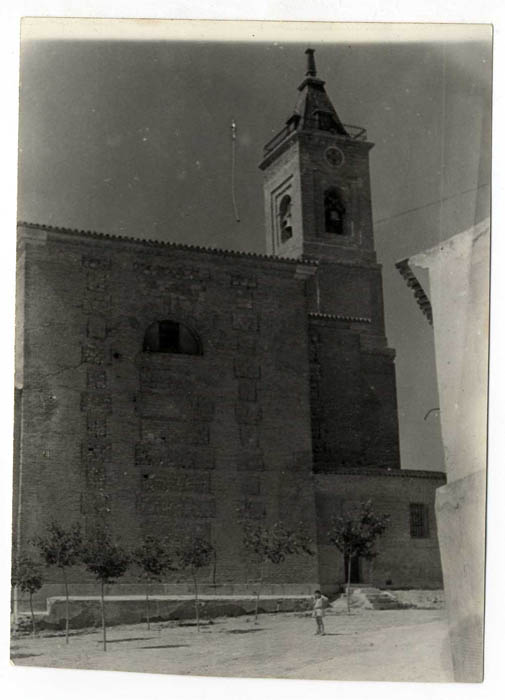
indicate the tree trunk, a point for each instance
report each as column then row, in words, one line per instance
column 214, row 567
column 103, row 616
column 260, row 584
column 66, row 605
column 148, row 619
column 147, row 607
column 33, row 616
column 349, row 559
column 197, row 611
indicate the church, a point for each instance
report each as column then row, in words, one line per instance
column 161, row 388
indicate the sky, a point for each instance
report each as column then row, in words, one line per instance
column 133, row 138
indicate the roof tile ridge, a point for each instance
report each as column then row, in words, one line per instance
column 167, row 244
column 342, row 317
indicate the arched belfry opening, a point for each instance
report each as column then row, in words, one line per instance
column 170, row 336
column 334, row 212
column 286, row 227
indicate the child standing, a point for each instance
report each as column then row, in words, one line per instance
column 320, row 602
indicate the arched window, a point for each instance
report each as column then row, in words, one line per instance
column 334, row 212
column 285, row 218
column 171, row 337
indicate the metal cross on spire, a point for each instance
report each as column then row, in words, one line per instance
column 311, row 63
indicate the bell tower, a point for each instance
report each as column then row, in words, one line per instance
column 318, row 203
column 318, row 206
column 317, row 181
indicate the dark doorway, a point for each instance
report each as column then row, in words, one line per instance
column 355, row 570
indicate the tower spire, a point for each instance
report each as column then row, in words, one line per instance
column 311, row 63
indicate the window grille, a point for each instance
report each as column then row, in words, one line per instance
column 419, row 520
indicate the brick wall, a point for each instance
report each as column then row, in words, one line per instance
column 161, row 444
column 352, row 179
column 353, row 390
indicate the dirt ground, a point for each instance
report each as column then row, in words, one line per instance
column 389, row 645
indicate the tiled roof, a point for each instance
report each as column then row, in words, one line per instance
column 421, row 297
column 383, row 472
column 340, row 317
column 149, row 242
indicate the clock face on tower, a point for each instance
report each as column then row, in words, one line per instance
column 334, row 156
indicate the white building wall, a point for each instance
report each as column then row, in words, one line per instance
column 459, row 293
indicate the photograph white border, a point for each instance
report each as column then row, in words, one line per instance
column 48, row 683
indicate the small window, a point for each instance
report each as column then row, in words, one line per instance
column 419, row 526
column 334, row 212
column 285, row 218
column 171, row 337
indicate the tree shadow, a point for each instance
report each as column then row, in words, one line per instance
column 49, row 634
column 258, row 629
column 23, row 656
column 165, row 646
column 129, row 639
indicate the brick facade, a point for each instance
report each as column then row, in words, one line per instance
column 163, row 442
column 152, row 443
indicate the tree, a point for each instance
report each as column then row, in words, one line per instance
column 27, row 576
column 354, row 534
column 153, row 560
column 272, row 545
column 63, row 549
column 195, row 553
column 107, row 561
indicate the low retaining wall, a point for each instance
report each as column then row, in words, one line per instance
column 89, row 589
column 86, row 611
